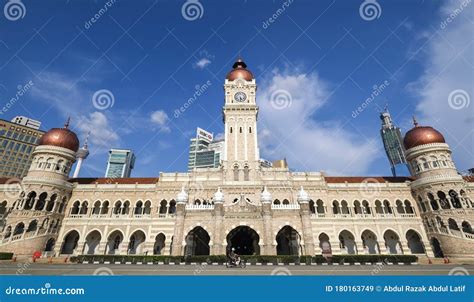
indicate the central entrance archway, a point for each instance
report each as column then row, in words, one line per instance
column 244, row 240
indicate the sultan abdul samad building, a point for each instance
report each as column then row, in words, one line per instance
column 255, row 209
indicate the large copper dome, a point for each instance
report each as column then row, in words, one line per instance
column 60, row 137
column 239, row 71
column 422, row 135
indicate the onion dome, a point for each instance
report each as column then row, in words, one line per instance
column 265, row 196
column 422, row 135
column 182, row 196
column 218, row 196
column 302, row 196
column 239, row 71
column 60, row 137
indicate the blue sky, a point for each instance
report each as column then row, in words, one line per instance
column 328, row 55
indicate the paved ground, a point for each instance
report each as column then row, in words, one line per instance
column 124, row 269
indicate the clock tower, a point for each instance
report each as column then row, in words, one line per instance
column 241, row 154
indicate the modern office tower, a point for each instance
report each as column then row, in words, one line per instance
column 265, row 163
column 25, row 121
column 204, row 151
column 120, row 164
column 392, row 142
column 17, row 143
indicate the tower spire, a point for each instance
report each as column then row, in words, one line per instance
column 415, row 122
column 68, row 121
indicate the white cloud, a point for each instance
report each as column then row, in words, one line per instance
column 102, row 134
column 287, row 129
column 450, row 64
column 161, row 119
column 70, row 98
column 202, row 63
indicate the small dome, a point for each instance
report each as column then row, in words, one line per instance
column 60, row 137
column 265, row 196
column 182, row 196
column 218, row 196
column 303, row 196
column 239, row 71
column 422, row 135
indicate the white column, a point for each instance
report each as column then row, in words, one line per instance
column 78, row 168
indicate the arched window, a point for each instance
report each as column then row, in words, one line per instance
column 320, row 206
column 75, row 207
column 312, row 209
column 357, row 208
column 139, row 208
column 387, row 207
column 366, row 207
column 408, row 207
column 433, row 203
column 250, row 129
column 84, row 206
column 246, row 173
column 335, row 207
column 236, row 173
column 443, row 200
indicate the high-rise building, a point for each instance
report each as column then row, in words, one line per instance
column 392, row 142
column 120, row 164
column 25, row 121
column 18, row 139
column 204, row 151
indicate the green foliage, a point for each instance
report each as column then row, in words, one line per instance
column 6, row 256
column 252, row 259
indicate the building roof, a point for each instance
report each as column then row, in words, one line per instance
column 109, row 180
column 360, row 179
column 469, row 178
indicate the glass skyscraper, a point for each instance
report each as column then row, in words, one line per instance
column 18, row 140
column 204, row 151
column 120, row 164
column 392, row 142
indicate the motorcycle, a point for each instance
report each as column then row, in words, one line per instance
column 236, row 263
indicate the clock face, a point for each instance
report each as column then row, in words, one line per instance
column 240, row 97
